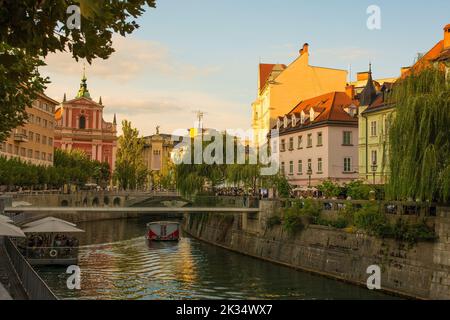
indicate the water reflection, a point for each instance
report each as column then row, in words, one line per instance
column 118, row 263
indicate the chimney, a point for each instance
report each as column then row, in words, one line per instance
column 350, row 91
column 305, row 49
column 447, row 37
column 362, row 76
column 404, row 71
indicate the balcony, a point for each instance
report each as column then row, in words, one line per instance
column 20, row 137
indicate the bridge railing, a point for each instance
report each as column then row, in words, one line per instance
column 32, row 283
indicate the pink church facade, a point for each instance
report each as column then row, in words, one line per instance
column 80, row 126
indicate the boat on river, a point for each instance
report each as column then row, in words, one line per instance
column 163, row 231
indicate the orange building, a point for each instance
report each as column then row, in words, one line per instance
column 80, row 125
column 281, row 87
column 33, row 142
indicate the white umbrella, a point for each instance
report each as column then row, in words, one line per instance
column 5, row 219
column 17, row 204
column 48, row 219
column 52, row 226
column 8, row 230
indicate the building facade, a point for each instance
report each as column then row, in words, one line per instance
column 376, row 115
column 158, row 154
column 280, row 87
column 33, row 142
column 80, row 126
column 317, row 141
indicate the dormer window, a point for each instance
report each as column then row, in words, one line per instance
column 278, row 124
column 302, row 117
column 294, row 120
column 285, row 122
column 312, row 114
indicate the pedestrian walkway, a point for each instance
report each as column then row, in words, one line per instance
column 10, row 286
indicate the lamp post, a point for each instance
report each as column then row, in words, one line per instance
column 374, row 170
column 309, row 175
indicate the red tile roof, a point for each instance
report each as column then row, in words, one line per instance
column 330, row 106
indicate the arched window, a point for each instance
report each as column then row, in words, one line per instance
column 82, row 122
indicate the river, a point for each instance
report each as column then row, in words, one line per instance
column 117, row 263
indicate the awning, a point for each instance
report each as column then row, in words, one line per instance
column 8, row 230
column 44, row 220
column 52, row 225
column 5, row 219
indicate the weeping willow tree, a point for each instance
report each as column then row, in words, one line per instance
column 420, row 138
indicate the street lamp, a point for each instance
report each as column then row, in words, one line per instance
column 309, row 175
column 374, row 170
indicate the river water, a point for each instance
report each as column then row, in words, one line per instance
column 117, row 263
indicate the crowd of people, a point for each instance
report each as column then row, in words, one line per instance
column 50, row 246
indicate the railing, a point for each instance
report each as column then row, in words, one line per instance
column 48, row 253
column 34, row 286
column 389, row 207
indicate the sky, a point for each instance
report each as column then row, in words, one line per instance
column 204, row 54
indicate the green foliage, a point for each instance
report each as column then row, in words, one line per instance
column 358, row 190
column 329, row 189
column 273, row 221
column 29, row 30
column 131, row 171
column 307, row 211
column 69, row 168
column 372, row 220
column 420, row 138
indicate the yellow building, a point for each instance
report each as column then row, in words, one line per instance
column 33, row 142
column 157, row 154
column 281, row 88
column 375, row 116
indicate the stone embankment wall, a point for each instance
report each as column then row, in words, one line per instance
column 419, row 271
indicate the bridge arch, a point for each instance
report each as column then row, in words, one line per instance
column 117, row 202
column 95, row 202
column 106, row 200
column 64, row 203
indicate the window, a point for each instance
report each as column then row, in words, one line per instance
column 38, row 120
column 319, row 139
column 38, row 137
column 16, row 150
column 44, row 156
column 82, row 122
column 282, row 168
column 50, row 157
column 309, row 165
column 347, row 138
column 283, row 145
column 44, row 140
column 50, row 142
column 310, row 142
column 45, row 123
column 291, row 168
column 23, row 152
column 30, row 136
column 300, row 142
column 300, row 167
column 30, row 153
column 10, row 148
column 36, row 154
column 291, row 144
column 373, row 128
column 319, row 165
column 374, row 157
column 347, row 165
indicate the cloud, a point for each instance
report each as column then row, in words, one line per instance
column 132, row 59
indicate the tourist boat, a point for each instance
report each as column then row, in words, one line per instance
column 163, row 231
column 50, row 241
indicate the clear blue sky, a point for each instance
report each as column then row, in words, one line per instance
column 229, row 38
